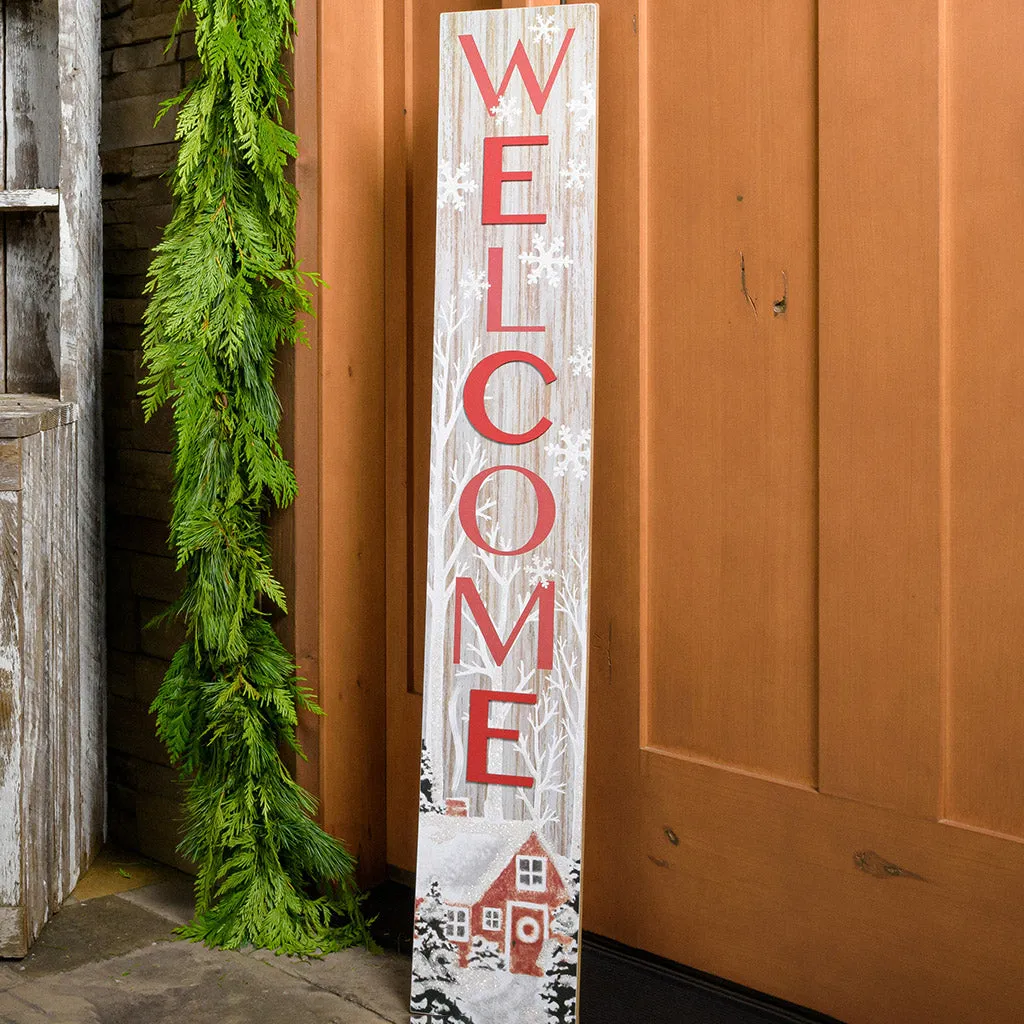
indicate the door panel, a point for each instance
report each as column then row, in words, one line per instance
column 880, row 404
column 730, row 339
column 806, row 767
column 864, row 913
column 984, row 395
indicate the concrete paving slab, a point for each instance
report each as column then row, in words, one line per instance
column 109, row 957
column 375, row 980
column 9, row 977
column 95, row 930
column 173, row 899
column 167, row 983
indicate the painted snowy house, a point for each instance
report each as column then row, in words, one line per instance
column 500, row 884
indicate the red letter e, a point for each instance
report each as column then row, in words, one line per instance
column 480, row 732
column 495, row 176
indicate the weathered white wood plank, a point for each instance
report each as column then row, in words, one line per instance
column 36, row 790
column 67, row 757
column 81, row 342
column 11, row 940
column 55, row 663
column 50, row 602
column 20, row 199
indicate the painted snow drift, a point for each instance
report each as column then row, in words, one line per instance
column 501, row 793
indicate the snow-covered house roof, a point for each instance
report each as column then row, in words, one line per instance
column 465, row 855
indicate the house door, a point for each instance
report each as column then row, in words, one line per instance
column 525, row 938
column 806, row 739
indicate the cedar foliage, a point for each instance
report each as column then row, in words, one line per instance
column 225, row 295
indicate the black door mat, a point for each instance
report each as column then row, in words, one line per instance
column 619, row 985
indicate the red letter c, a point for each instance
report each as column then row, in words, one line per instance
column 476, row 384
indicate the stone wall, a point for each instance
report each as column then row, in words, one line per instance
column 139, row 72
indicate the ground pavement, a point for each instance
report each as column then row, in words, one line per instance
column 109, row 957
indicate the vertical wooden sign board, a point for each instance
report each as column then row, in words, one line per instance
column 501, row 795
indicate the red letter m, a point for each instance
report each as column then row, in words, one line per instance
column 544, row 596
column 538, row 96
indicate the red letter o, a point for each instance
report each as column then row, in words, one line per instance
column 545, row 510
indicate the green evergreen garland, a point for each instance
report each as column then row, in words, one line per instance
column 225, row 295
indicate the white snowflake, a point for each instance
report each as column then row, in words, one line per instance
column 543, row 29
column 571, row 451
column 583, row 110
column 576, row 175
column 475, row 283
column 507, row 110
column 546, row 260
column 582, row 362
column 453, row 187
column 539, row 572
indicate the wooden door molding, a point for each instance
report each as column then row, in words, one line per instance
column 333, row 539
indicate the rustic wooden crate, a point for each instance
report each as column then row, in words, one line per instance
column 42, row 843
column 52, row 793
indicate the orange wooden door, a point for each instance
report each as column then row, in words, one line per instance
column 806, row 741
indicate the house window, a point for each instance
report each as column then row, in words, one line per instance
column 457, row 925
column 532, row 874
column 492, row 919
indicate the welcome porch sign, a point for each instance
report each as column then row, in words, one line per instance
column 501, row 791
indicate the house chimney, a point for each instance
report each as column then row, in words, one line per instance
column 456, row 807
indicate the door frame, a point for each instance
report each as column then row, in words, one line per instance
column 329, row 547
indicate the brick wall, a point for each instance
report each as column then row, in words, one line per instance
column 139, row 72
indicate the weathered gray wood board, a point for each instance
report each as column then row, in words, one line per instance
column 33, row 304
column 81, row 348
column 32, row 108
column 52, row 659
column 12, row 926
column 43, row 836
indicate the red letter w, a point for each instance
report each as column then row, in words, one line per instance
column 519, row 60
column 542, row 595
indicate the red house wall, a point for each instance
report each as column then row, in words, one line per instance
column 505, row 887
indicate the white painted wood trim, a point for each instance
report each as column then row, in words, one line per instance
column 15, row 199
